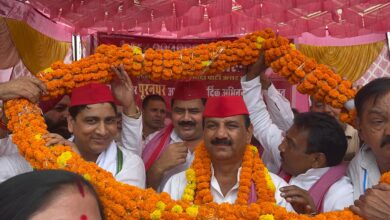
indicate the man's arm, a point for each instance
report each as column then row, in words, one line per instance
column 278, row 106
column 23, row 87
column 123, row 91
column 269, row 135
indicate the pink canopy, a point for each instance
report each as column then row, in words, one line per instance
column 207, row 18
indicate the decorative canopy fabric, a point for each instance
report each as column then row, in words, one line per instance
column 210, row 18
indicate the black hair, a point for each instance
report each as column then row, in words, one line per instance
column 325, row 135
column 75, row 110
column 149, row 98
column 23, row 195
column 371, row 92
column 204, row 100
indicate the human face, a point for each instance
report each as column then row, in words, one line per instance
column 154, row 114
column 94, row 128
column 226, row 138
column 295, row 160
column 374, row 129
column 187, row 118
column 56, row 118
column 324, row 108
column 70, row 203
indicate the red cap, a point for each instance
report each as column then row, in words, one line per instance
column 187, row 90
column 92, row 93
column 49, row 104
column 225, row 106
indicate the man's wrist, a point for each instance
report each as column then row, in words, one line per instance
column 132, row 113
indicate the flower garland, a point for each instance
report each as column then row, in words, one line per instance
column 122, row 201
column 312, row 78
column 199, row 177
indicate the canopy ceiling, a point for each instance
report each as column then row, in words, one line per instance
column 219, row 18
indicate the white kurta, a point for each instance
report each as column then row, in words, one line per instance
column 279, row 108
column 363, row 171
column 265, row 131
column 132, row 173
column 271, row 136
column 177, row 183
column 339, row 195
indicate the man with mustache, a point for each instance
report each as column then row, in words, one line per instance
column 372, row 104
column 56, row 113
column 227, row 134
column 308, row 156
column 170, row 151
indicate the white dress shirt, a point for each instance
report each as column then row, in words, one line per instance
column 177, row 183
column 363, row 171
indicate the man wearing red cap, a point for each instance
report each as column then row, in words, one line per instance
column 227, row 134
column 170, row 151
column 93, row 122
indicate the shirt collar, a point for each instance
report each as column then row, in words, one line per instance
column 215, row 185
column 175, row 137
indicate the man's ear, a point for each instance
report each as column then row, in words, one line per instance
column 70, row 123
column 249, row 134
column 318, row 160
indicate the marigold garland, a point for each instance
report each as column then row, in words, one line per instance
column 199, row 176
column 122, row 201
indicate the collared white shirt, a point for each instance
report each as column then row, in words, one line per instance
column 177, row 183
column 339, row 195
column 363, row 171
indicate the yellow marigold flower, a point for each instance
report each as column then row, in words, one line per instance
column 137, row 50
column 155, row 215
column 190, row 173
column 254, row 149
column 266, row 217
column 268, row 179
column 177, row 209
column 192, row 211
column 63, row 159
column 87, row 176
column 293, row 46
column 206, row 63
column 160, row 205
column 189, row 191
column 38, row 137
column 48, row 70
column 260, row 40
column 187, row 197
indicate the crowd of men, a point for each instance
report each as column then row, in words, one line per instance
column 317, row 163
